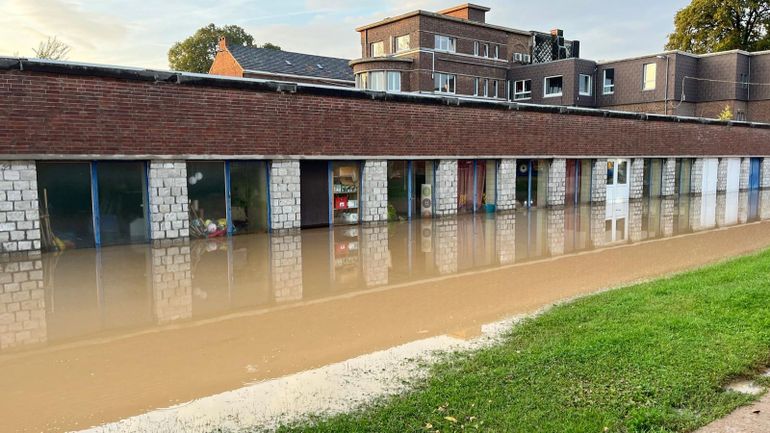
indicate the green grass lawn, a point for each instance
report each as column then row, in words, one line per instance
column 647, row 358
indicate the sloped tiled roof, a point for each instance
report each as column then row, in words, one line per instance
column 285, row 62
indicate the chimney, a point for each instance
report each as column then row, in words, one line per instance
column 222, row 45
column 467, row 11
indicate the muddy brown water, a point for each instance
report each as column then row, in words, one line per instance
column 94, row 336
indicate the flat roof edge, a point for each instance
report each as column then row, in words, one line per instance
column 254, row 84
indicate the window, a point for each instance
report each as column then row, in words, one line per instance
column 402, row 43
column 475, row 87
column 476, row 48
column 443, row 83
column 522, row 90
column 445, row 43
column 394, row 81
column 650, row 76
column 486, row 87
column 495, row 88
column 740, row 116
column 486, row 50
column 585, row 85
column 377, row 81
column 744, row 81
column 377, row 49
column 497, row 51
column 362, row 80
column 553, row 86
column 609, row 82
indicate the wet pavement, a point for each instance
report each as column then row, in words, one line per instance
column 94, row 336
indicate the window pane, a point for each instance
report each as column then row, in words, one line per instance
column 394, row 81
column 206, row 190
column 609, row 81
column 553, row 85
column 402, row 43
column 622, row 172
column 248, row 196
column 650, row 71
column 66, row 217
column 123, row 202
column 610, row 172
column 585, row 84
column 451, row 44
column 377, row 81
column 378, row 49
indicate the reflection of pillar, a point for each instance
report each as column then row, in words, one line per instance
column 506, row 185
column 505, row 237
column 285, row 196
column 764, row 204
column 598, row 218
column 446, row 185
column 375, row 254
column 169, row 215
column 636, row 179
column 696, row 212
column 22, row 301
column 635, row 215
column 667, row 217
column 696, row 176
column 555, row 231
column 721, row 209
column 172, row 280
column 557, row 182
column 374, row 194
column 743, row 207
column 722, row 175
column 599, row 181
column 745, row 174
column 764, row 173
column 445, row 232
column 19, row 214
column 286, row 266
column 668, row 188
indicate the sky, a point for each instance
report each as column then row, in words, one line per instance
column 139, row 33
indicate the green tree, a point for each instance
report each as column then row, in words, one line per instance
column 197, row 52
column 270, row 46
column 707, row 26
column 726, row 114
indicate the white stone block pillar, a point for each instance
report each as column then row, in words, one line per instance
column 285, row 200
column 764, row 173
column 745, row 174
column 635, row 220
column 764, row 204
column 446, row 188
column 557, row 182
column 668, row 188
column 599, row 181
column 375, row 254
column 19, row 211
column 505, row 235
column 597, row 221
column 172, row 280
column 22, row 301
column 374, row 196
column 169, row 213
column 286, row 266
column 722, row 175
column 506, row 185
column 636, row 179
column 445, row 234
column 696, row 177
column 667, row 209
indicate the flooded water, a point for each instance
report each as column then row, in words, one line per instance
column 94, row 336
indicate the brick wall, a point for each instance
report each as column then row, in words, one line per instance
column 88, row 115
column 225, row 64
column 19, row 214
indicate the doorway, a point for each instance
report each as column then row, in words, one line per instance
column 314, row 190
column 617, row 180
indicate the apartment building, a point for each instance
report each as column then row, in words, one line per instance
column 455, row 51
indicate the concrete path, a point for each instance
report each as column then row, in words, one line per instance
column 749, row 419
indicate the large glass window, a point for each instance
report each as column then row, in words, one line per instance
column 486, row 172
column 248, row 196
column 609, row 82
column 362, row 80
column 445, row 43
column 553, row 86
column 476, row 185
column 585, row 85
column 122, row 202
column 206, row 192
column 377, row 81
column 522, row 90
column 377, row 49
column 444, row 83
column 398, row 190
column 650, row 76
column 394, row 81
column 402, row 43
column 465, row 187
column 66, row 215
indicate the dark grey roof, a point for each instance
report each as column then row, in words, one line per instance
column 285, row 62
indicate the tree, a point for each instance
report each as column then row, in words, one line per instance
column 707, row 26
column 270, row 46
column 726, row 114
column 52, row 49
column 197, row 52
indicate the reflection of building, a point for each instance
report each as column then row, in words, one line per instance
column 22, row 302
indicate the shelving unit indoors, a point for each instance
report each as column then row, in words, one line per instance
column 345, row 193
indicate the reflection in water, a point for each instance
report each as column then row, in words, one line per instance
column 62, row 301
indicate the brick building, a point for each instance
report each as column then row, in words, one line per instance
column 455, row 51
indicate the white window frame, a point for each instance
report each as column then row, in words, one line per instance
column 608, row 89
column 388, row 87
column 495, row 88
column 497, row 51
column 476, row 45
column 371, row 48
column 453, row 89
column 476, row 86
column 486, row 51
column 408, row 39
column 374, row 77
column 362, row 80
column 446, row 44
column 589, row 92
column 519, row 96
column 545, row 87
column 645, row 81
column 486, row 87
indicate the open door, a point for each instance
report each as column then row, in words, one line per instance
column 314, row 190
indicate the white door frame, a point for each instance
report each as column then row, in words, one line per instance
column 617, row 172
